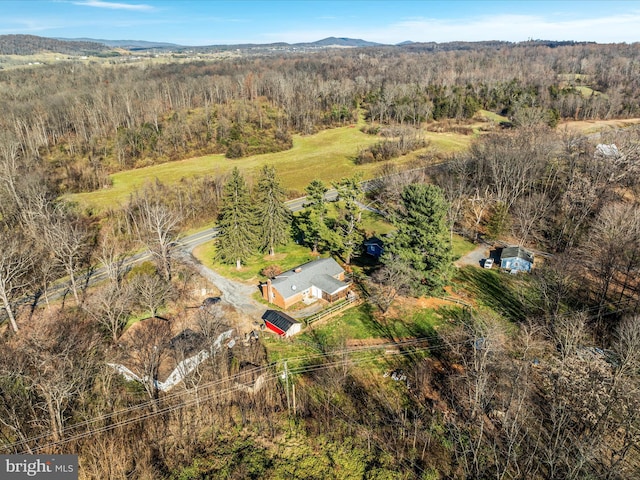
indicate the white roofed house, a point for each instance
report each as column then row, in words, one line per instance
column 320, row 279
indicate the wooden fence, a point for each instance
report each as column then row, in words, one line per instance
column 334, row 309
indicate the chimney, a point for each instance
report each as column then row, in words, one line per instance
column 269, row 291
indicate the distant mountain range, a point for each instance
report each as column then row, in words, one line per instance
column 141, row 44
column 31, row 44
column 125, row 44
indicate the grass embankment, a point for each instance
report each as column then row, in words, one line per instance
column 510, row 296
column 328, row 156
column 486, row 115
column 360, row 326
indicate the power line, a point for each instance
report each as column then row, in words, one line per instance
column 217, row 394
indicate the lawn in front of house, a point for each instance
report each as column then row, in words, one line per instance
column 286, row 257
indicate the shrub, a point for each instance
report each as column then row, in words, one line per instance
column 390, row 148
column 236, row 150
column 271, row 271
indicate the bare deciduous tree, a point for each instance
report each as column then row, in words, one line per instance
column 612, row 239
column 110, row 307
column 16, row 263
column 69, row 240
column 158, row 230
column 152, row 292
column 388, row 282
column 62, row 359
column 511, row 164
column 145, row 349
column 112, row 256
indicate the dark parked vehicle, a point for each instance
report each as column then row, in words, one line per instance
column 211, row 301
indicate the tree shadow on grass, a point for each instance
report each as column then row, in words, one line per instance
column 377, row 326
column 495, row 290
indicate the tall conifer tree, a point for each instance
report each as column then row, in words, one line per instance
column 273, row 216
column 349, row 234
column 422, row 239
column 236, row 221
column 312, row 221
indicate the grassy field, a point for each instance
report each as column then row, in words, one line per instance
column 486, row 115
column 586, row 127
column 327, row 155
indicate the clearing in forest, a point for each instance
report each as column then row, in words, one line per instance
column 328, row 156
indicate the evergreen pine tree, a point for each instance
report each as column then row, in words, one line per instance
column 422, row 238
column 312, row 221
column 273, row 216
column 349, row 235
column 236, row 221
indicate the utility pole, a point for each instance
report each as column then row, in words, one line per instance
column 293, row 386
column 286, row 379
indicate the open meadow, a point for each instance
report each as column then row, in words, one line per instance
column 327, row 155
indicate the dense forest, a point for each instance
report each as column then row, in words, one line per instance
column 534, row 377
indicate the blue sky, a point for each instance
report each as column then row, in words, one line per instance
column 206, row 22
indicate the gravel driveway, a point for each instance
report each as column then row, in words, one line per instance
column 475, row 257
column 236, row 294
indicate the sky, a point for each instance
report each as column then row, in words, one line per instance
column 212, row 22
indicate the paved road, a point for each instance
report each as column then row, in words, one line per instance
column 187, row 244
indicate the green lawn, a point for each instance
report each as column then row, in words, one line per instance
column 327, row 155
column 508, row 295
column 360, row 323
column 357, row 323
column 287, row 257
column 487, row 115
column 447, row 142
column 460, row 246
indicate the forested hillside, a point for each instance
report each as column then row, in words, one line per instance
column 31, row 44
column 435, row 371
column 89, row 120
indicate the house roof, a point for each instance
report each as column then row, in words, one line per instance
column 328, row 284
column 314, row 273
column 279, row 319
column 519, row 252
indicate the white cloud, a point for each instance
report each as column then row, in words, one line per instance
column 514, row 28
column 114, row 5
column 620, row 28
